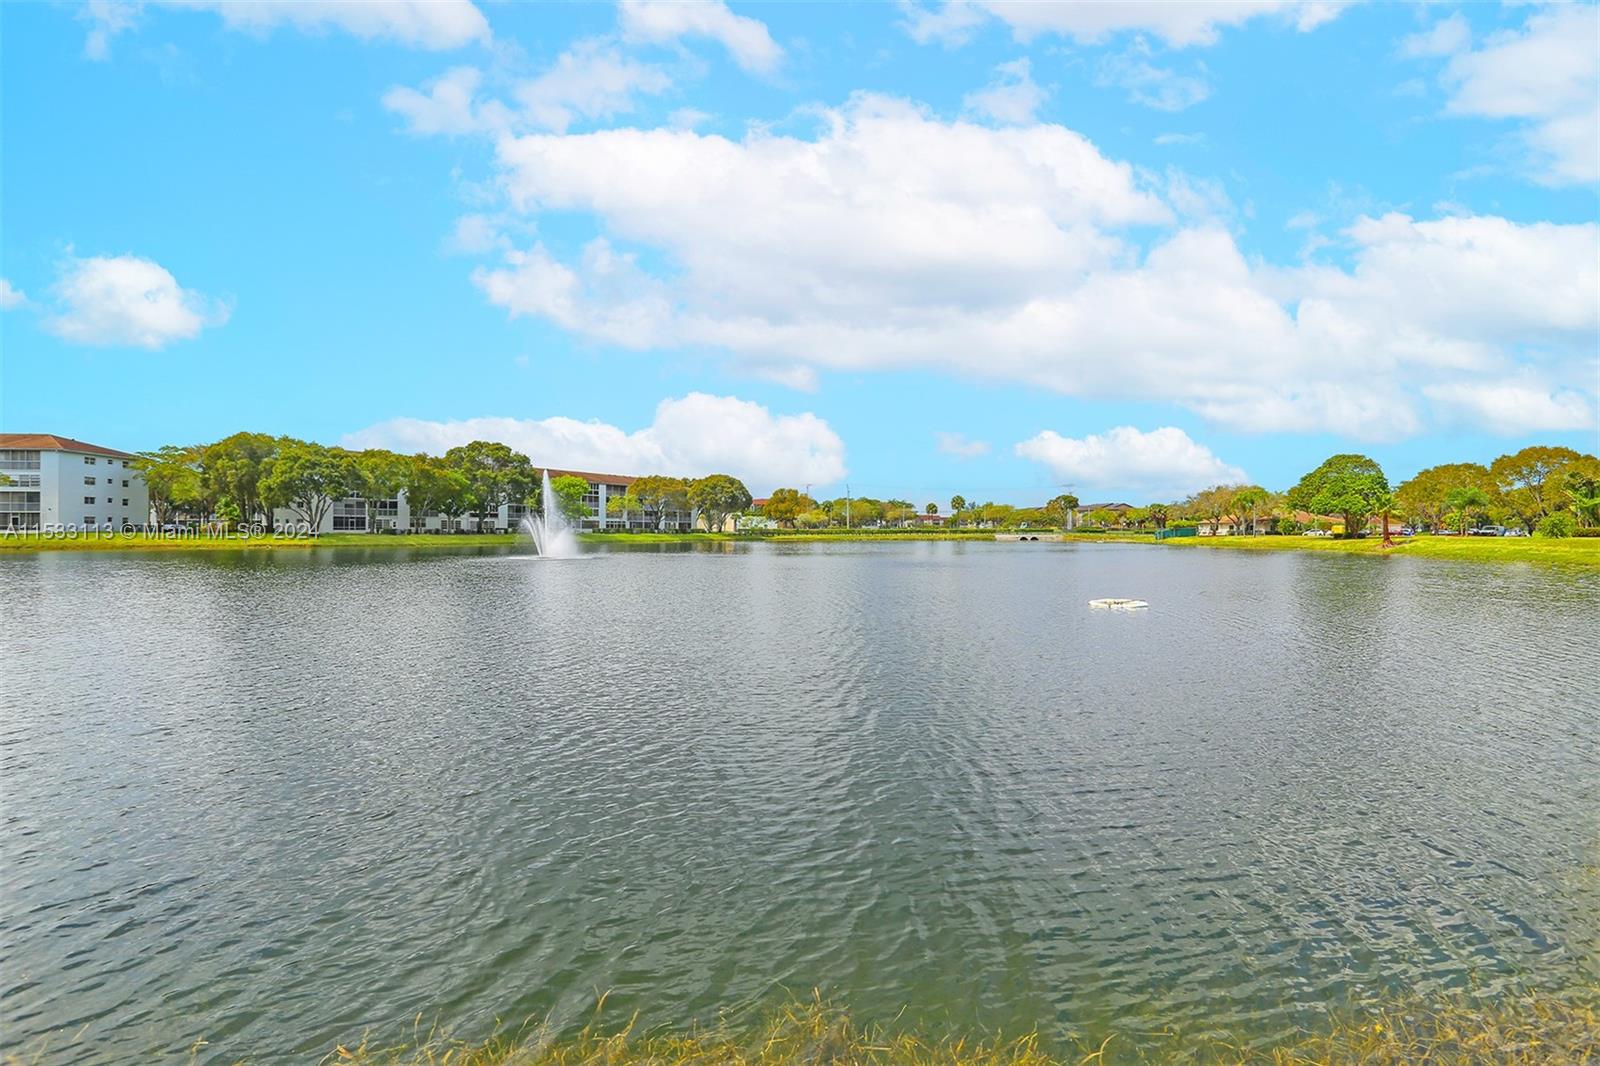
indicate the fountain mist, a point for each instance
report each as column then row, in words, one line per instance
column 552, row 536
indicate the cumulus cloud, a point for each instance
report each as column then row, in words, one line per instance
column 1013, row 97
column 893, row 239
column 447, row 105
column 1546, row 76
column 959, row 446
column 428, row 24
column 664, row 21
column 690, row 436
column 128, row 301
column 10, row 296
column 1513, row 407
column 1163, row 463
column 1195, row 22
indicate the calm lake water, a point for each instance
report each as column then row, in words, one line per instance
column 276, row 801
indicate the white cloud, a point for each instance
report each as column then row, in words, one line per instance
column 690, row 436
column 11, row 297
column 1163, row 463
column 1512, row 407
column 475, row 235
column 428, row 24
column 592, row 80
column 1165, row 139
column 448, row 107
column 1548, row 76
column 664, row 21
column 125, row 300
column 1194, row 22
column 959, row 446
column 1445, row 37
column 1145, row 83
column 1013, row 97
column 891, row 239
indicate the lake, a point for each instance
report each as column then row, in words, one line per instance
column 276, row 800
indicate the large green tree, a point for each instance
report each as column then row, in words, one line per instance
column 1422, row 498
column 379, row 475
column 1530, row 481
column 1350, row 485
column 1246, row 503
column 569, row 490
column 307, row 477
column 495, row 475
column 1061, row 508
column 172, row 477
column 784, row 506
column 432, row 486
column 1581, row 481
column 1463, row 501
column 716, row 497
column 232, row 469
column 662, row 494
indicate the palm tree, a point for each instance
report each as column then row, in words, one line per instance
column 1463, row 498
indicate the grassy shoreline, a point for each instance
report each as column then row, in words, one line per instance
column 1575, row 551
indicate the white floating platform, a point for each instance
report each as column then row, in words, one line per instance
column 1119, row 605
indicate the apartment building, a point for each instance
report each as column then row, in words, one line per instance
column 57, row 482
column 394, row 515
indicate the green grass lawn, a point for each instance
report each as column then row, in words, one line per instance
column 1575, row 551
column 141, row 542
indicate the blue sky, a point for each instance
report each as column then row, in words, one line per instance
column 922, row 249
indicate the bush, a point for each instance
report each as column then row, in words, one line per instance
column 1557, row 525
column 1586, row 531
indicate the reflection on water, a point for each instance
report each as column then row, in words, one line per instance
column 274, row 800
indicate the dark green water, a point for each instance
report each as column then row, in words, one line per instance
column 276, row 801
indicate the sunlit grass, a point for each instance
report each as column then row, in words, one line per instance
column 1579, row 551
column 1540, row 1029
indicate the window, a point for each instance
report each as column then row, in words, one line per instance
column 88, row 460
column 88, row 519
column 88, row 481
column 124, row 503
column 124, row 482
column 88, row 499
column 19, row 458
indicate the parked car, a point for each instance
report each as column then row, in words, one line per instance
column 1316, row 533
column 1515, row 533
column 1407, row 531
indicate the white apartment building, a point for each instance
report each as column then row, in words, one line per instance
column 350, row 515
column 58, row 482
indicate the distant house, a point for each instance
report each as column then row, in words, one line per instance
column 930, row 520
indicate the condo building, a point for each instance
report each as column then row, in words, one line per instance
column 48, row 481
column 349, row 515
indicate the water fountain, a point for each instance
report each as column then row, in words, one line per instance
column 552, row 537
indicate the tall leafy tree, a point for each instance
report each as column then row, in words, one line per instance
column 1061, row 509
column 620, row 507
column 379, row 476
column 434, row 487
column 1463, row 501
column 716, row 497
column 1581, row 481
column 232, row 469
column 662, row 494
column 1350, row 485
column 1422, row 498
column 958, row 504
column 931, row 508
column 1158, row 514
column 172, row 477
column 786, row 505
column 1530, row 481
column 307, row 478
column 569, row 492
column 1247, row 502
column 495, row 475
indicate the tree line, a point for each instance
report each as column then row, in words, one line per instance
column 246, row 476
column 1553, row 491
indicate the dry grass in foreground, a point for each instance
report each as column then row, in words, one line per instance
column 1542, row 1029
